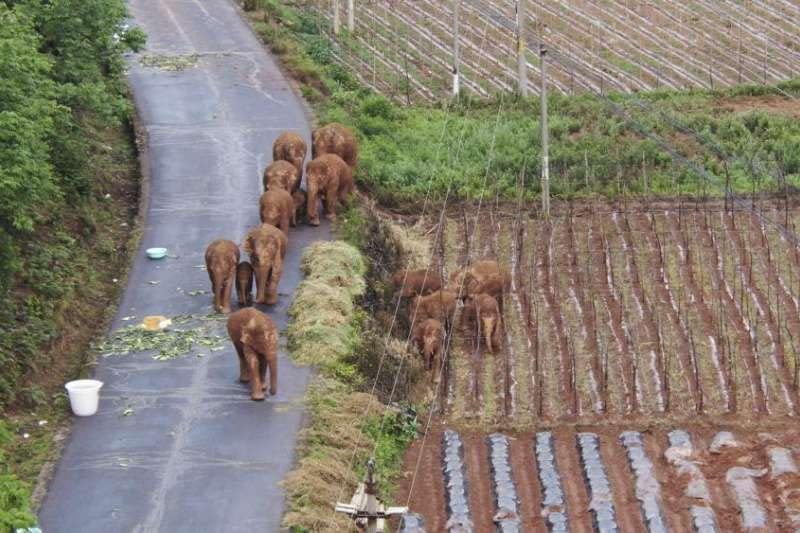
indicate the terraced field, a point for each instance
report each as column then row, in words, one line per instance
column 633, row 335
column 404, row 47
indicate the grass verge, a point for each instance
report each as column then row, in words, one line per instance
column 463, row 144
column 346, row 426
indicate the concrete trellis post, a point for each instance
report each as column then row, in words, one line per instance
column 337, row 21
column 351, row 16
column 456, row 57
column 522, row 64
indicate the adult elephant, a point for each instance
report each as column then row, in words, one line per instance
column 281, row 175
column 276, row 208
column 482, row 316
column 329, row 178
column 222, row 257
column 290, row 147
column 255, row 337
column 267, row 247
column 334, row 138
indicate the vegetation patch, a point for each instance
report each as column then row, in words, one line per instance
column 346, row 426
column 185, row 333
column 170, row 63
column 470, row 147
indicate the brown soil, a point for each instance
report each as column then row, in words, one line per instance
column 479, row 482
column 674, row 503
column 771, row 104
column 626, row 506
column 523, row 465
column 575, row 493
column 422, row 486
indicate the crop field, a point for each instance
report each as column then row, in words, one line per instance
column 404, row 47
column 646, row 325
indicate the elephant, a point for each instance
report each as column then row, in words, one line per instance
column 281, row 175
column 482, row 315
column 299, row 197
column 267, row 247
column 289, row 146
column 416, row 282
column 485, row 276
column 327, row 177
column 276, row 208
column 244, row 283
column 429, row 336
column 222, row 256
column 335, row 138
column 439, row 305
column 255, row 337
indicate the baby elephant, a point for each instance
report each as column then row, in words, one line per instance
column 277, row 209
column 281, row 175
column 267, row 247
column 328, row 178
column 244, row 283
column 222, row 256
column 439, row 305
column 429, row 336
column 482, row 316
column 334, row 138
column 416, row 282
column 255, row 338
column 291, row 147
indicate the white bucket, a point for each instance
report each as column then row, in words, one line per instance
column 84, row 395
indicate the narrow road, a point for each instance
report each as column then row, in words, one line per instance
column 196, row 454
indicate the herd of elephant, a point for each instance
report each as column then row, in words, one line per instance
column 329, row 178
column 480, row 286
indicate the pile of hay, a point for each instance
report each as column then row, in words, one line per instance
column 323, row 328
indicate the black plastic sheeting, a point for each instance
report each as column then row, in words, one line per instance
column 505, row 493
column 455, row 483
column 681, row 454
column 412, row 523
column 600, row 498
column 554, row 506
column 648, row 491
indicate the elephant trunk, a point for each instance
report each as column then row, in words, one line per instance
column 219, row 285
column 488, row 331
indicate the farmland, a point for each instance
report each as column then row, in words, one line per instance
column 404, row 48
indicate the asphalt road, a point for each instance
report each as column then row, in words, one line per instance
column 196, row 454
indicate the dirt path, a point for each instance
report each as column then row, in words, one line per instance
column 192, row 434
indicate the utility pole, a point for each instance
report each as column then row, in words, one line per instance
column 351, row 16
column 337, row 22
column 522, row 64
column 365, row 509
column 456, row 58
column 545, row 136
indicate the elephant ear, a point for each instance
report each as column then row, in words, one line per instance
column 247, row 245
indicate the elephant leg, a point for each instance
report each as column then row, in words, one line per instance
column 284, row 224
column 274, row 279
column 311, row 204
column 219, row 295
column 256, row 390
column 331, row 199
column 227, row 290
column 262, row 369
column 273, row 373
column 244, row 370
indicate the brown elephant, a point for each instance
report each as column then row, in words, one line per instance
column 328, row 178
column 276, row 208
column 244, row 283
column 335, row 138
column 289, row 146
column 416, row 282
column 439, row 305
column 267, row 247
column 482, row 316
column 485, row 276
column 255, row 337
column 281, row 175
column 222, row 256
column 429, row 337
column 299, row 197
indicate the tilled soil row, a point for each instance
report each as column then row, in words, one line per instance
column 568, row 479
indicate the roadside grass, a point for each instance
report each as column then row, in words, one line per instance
column 330, row 330
column 406, row 152
column 74, row 273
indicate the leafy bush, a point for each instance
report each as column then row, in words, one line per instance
column 61, row 68
column 14, row 495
